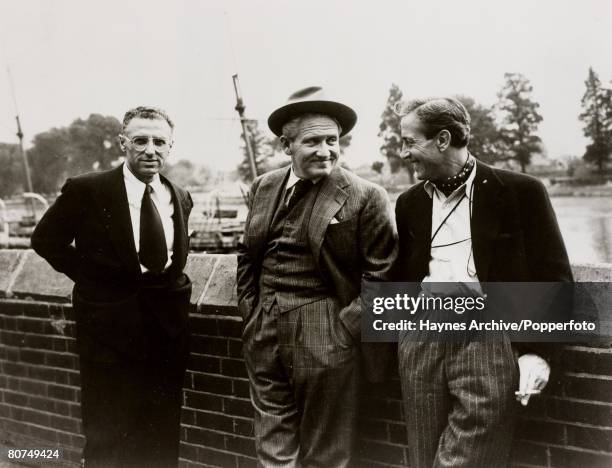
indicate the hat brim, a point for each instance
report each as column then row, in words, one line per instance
column 345, row 116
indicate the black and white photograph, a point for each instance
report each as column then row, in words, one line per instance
column 314, row 234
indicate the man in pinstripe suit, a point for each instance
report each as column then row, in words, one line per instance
column 313, row 231
column 468, row 223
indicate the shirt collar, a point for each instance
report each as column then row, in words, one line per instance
column 430, row 188
column 293, row 179
column 135, row 184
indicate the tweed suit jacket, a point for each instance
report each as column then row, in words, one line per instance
column 515, row 235
column 93, row 211
column 362, row 244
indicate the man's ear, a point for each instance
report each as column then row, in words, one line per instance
column 443, row 140
column 121, row 142
column 286, row 145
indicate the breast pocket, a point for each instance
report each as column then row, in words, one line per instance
column 341, row 239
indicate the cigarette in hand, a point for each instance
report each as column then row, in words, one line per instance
column 527, row 392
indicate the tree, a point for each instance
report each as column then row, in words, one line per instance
column 186, row 174
column 520, row 119
column 12, row 175
column 597, row 118
column 377, row 166
column 84, row 146
column 389, row 130
column 262, row 150
column 486, row 142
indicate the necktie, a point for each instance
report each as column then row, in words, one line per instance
column 153, row 252
column 299, row 190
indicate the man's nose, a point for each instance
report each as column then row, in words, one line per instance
column 323, row 150
column 150, row 148
column 405, row 152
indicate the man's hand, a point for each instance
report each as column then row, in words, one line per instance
column 534, row 373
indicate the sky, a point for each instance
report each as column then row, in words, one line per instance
column 69, row 59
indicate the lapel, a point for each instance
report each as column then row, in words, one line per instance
column 420, row 220
column 267, row 197
column 486, row 215
column 179, row 249
column 329, row 200
column 112, row 198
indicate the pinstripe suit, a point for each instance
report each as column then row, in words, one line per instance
column 301, row 342
column 458, row 397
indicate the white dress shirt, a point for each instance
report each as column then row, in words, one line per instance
column 452, row 256
column 162, row 199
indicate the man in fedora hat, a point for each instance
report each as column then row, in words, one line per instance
column 313, row 231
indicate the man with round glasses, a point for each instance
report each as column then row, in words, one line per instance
column 121, row 236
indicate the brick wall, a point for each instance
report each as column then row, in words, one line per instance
column 39, row 380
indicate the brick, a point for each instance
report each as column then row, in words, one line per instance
column 209, row 345
column 35, row 417
column 205, row 437
column 573, row 411
column 216, row 458
column 398, row 434
column 381, row 452
column 8, row 338
column 540, row 431
column 565, row 457
column 243, row 427
column 41, row 342
column 15, row 369
column 240, row 445
column 212, row 384
column 373, row 429
column 230, row 328
column 529, row 454
column 203, row 325
column 235, row 348
column 33, row 325
column 32, row 356
column 238, row 407
column 590, row 438
column 189, row 452
column 233, row 368
column 16, row 399
column 37, row 310
column 240, row 388
column 204, row 363
column 9, row 307
column 587, row 388
column 216, row 421
column 65, row 360
column 203, row 401
column 244, row 462
column 65, row 424
column 62, row 392
column 33, row 387
column 377, row 408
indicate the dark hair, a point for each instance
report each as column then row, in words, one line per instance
column 438, row 114
column 146, row 112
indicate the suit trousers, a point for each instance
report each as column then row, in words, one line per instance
column 304, row 379
column 131, row 408
column 459, row 402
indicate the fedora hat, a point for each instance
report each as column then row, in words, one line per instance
column 312, row 100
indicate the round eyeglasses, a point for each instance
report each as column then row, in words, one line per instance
column 140, row 143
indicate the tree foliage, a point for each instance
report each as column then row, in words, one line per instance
column 84, row 146
column 389, row 131
column 597, row 118
column 187, row 174
column 12, row 175
column 519, row 119
column 486, row 142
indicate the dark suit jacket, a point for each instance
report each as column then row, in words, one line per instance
column 361, row 245
column 93, row 211
column 515, row 236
